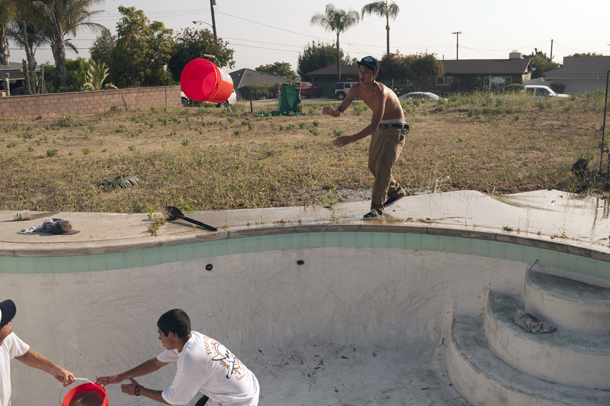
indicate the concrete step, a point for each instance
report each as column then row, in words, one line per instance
column 563, row 356
column 484, row 379
column 570, row 304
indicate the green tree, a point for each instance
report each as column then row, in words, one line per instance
column 76, row 73
column 194, row 43
column 101, row 49
column 318, row 56
column 587, row 54
column 338, row 21
column 540, row 63
column 58, row 18
column 424, row 67
column 95, row 75
column 8, row 12
column 383, row 9
column 141, row 51
column 393, row 67
column 280, row 69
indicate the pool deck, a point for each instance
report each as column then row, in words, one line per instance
column 546, row 216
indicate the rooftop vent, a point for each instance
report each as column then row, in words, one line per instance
column 515, row 55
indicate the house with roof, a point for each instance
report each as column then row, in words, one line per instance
column 11, row 76
column 581, row 74
column 327, row 77
column 247, row 77
column 469, row 74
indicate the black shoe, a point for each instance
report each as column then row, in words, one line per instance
column 374, row 214
column 392, row 199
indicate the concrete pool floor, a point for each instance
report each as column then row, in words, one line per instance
column 316, row 370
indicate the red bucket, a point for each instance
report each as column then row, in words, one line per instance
column 201, row 80
column 86, row 394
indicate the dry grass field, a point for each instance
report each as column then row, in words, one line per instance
column 206, row 158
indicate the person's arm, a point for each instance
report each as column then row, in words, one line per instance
column 135, row 389
column 380, row 99
column 36, row 360
column 352, row 93
column 144, row 368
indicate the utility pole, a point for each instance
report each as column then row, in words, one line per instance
column 457, row 44
column 551, row 50
column 212, row 4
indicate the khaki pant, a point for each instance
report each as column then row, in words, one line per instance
column 386, row 146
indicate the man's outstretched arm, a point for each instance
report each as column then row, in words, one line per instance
column 36, row 360
column 144, row 368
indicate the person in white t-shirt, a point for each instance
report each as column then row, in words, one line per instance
column 12, row 346
column 203, row 365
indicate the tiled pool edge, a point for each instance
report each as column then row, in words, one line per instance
column 62, row 259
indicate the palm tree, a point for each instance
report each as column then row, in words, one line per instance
column 336, row 20
column 383, row 9
column 58, row 18
column 8, row 11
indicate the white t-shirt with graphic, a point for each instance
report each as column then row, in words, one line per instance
column 11, row 347
column 207, row 366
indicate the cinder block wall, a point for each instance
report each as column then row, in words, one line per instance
column 84, row 103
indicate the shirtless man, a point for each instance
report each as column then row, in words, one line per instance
column 388, row 129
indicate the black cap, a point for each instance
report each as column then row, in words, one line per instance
column 7, row 312
column 370, row 62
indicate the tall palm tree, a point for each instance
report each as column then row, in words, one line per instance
column 337, row 20
column 8, row 11
column 383, row 9
column 58, row 18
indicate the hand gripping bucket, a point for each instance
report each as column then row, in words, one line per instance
column 201, row 80
column 86, row 394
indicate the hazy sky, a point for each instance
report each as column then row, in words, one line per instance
column 268, row 31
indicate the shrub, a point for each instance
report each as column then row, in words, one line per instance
column 259, row 91
column 51, row 152
column 514, row 88
column 558, row 87
column 86, row 151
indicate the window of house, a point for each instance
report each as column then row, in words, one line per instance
column 445, row 80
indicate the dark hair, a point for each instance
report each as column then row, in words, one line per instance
column 177, row 321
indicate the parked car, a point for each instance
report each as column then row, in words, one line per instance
column 186, row 102
column 341, row 89
column 307, row 89
column 422, row 96
column 543, row 91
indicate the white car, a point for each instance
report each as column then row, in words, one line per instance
column 543, row 91
column 422, row 96
column 188, row 102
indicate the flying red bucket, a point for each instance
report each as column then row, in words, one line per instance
column 86, row 394
column 201, row 80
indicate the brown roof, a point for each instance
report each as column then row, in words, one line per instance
column 486, row 66
column 246, row 77
column 332, row 70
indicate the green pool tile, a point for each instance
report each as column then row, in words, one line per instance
column 133, row 259
column 252, row 244
column 364, row 240
column 396, row 240
column 515, row 252
column 283, row 242
column 9, row 265
column 168, row 254
column 79, row 263
column 381, row 240
column 463, row 246
column 57, row 265
column 446, row 244
column 602, row 270
column 235, row 246
column 531, row 254
column 413, row 241
column 332, row 240
column 348, row 240
column 151, row 257
column 97, row 263
column 585, row 266
column 267, row 242
column 429, row 242
column 202, row 250
column 315, row 240
column 26, row 265
column 116, row 261
column 185, row 252
column 219, row 248
column 549, row 258
column 497, row 249
column 479, row 248
column 568, row 262
column 299, row 240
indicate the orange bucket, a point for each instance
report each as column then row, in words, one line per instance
column 201, row 80
column 86, row 394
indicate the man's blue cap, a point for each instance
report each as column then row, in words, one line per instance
column 7, row 312
column 370, row 62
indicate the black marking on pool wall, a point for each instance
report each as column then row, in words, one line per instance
column 300, row 262
column 209, row 267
